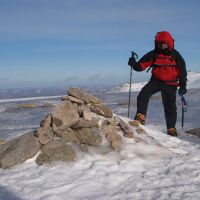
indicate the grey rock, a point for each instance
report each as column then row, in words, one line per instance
column 80, row 94
column 56, row 151
column 18, row 150
column 112, row 136
column 67, row 135
column 109, row 121
column 46, row 123
column 101, row 110
column 195, row 131
column 65, row 114
column 127, row 128
column 90, row 136
column 85, row 124
column 72, row 99
column 87, row 114
column 45, row 135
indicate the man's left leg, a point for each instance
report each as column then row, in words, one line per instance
column 168, row 93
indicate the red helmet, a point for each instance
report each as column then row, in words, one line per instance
column 165, row 37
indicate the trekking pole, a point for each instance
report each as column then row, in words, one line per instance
column 184, row 109
column 129, row 98
column 134, row 56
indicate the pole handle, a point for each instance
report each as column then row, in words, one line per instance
column 134, row 55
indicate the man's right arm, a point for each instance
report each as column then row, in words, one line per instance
column 145, row 62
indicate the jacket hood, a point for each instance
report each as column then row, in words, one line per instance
column 166, row 37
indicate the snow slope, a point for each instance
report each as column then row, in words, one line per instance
column 149, row 166
column 126, row 86
column 193, row 82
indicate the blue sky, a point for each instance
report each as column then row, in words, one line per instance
column 60, row 42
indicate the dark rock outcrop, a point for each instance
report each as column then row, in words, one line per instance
column 195, row 131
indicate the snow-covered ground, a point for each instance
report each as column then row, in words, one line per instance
column 149, row 166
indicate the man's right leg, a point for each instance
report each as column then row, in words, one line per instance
column 152, row 87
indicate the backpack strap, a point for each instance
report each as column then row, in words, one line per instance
column 173, row 56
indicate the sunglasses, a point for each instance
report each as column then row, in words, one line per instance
column 162, row 46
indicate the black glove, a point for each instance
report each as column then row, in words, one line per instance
column 131, row 62
column 182, row 91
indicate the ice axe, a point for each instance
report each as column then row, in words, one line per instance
column 133, row 56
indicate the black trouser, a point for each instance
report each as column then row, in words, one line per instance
column 168, row 93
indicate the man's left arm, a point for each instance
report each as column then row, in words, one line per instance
column 183, row 73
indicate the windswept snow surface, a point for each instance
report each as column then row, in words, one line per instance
column 149, row 166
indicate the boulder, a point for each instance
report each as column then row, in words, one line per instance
column 65, row 114
column 128, row 131
column 109, row 121
column 101, row 110
column 46, row 123
column 56, row 151
column 112, row 136
column 90, row 136
column 195, row 131
column 86, row 113
column 85, row 124
column 67, row 135
column 72, row 99
column 80, row 94
column 18, row 150
column 44, row 135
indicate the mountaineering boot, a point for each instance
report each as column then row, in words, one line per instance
column 172, row 132
column 139, row 119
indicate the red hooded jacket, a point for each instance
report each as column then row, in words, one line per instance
column 168, row 67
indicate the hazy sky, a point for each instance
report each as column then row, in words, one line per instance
column 59, row 42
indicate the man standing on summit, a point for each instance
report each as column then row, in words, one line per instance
column 168, row 72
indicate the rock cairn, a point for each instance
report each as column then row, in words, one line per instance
column 79, row 120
